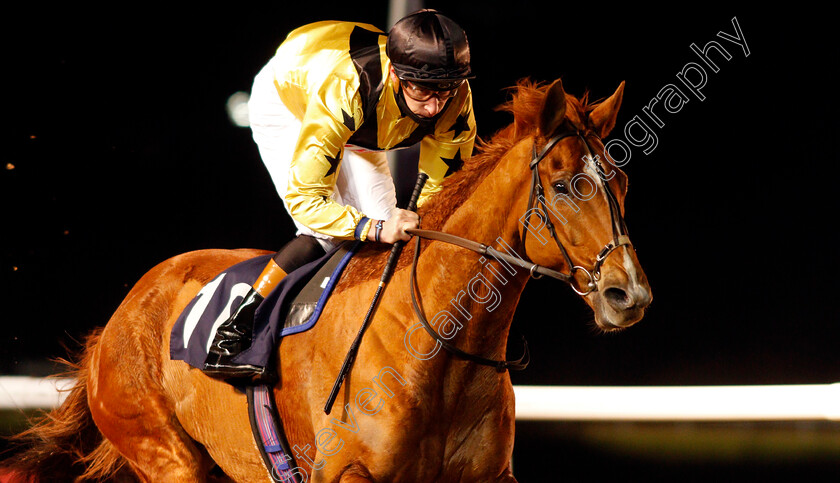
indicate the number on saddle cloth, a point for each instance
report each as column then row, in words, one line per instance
column 293, row 306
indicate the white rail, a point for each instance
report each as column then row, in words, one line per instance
column 22, row 392
column 595, row 403
column 679, row 403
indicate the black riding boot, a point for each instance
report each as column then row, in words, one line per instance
column 232, row 337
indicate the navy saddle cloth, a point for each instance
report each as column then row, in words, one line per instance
column 293, row 306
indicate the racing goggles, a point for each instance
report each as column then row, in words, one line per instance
column 422, row 93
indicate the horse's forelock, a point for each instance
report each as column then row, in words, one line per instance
column 526, row 104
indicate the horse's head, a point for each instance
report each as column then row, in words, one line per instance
column 583, row 193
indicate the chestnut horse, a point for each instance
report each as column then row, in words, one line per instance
column 408, row 411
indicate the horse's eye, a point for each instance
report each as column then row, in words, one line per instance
column 560, row 187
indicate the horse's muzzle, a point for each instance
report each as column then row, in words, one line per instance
column 618, row 307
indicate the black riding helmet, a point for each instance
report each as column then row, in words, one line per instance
column 430, row 49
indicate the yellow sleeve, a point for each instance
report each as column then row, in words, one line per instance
column 325, row 128
column 444, row 152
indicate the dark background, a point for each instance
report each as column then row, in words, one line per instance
column 123, row 155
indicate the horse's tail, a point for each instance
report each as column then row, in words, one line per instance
column 65, row 444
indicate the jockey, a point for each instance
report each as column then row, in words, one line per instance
column 323, row 110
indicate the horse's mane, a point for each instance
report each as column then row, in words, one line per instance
column 525, row 104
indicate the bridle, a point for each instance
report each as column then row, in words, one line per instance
column 619, row 238
column 619, row 227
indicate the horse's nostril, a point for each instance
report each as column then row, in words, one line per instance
column 618, row 298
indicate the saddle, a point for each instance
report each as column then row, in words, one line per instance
column 294, row 306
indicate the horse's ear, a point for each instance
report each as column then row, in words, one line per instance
column 603, row 116
column 553, row 109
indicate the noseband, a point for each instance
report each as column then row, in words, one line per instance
column 619, row 233
column 619, row 228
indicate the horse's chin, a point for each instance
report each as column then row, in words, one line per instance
column 616, row 323
column 610, row 319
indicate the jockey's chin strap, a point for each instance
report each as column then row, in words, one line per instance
column 620, row 238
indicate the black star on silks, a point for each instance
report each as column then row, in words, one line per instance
column 453, row 164
column 348, row 121
column 333, row 162
column 460, row 124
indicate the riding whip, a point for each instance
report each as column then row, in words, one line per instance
column 383, row 281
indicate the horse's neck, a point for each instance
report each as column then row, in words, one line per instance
column 482, row 294
column 494, row 208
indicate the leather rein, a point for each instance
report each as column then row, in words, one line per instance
column 620, row 238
